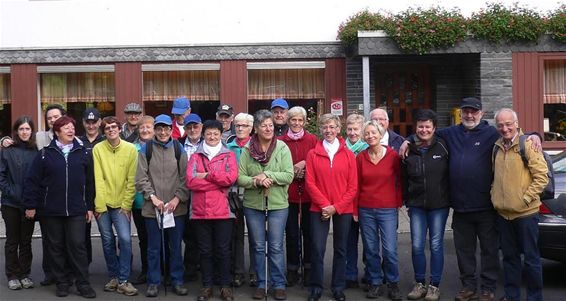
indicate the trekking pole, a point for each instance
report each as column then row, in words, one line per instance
column 265, row 193
column 301, row 257
column 163, row 251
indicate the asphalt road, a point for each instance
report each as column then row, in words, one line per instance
column 554, row 278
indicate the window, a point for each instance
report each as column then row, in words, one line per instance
column 554, row 99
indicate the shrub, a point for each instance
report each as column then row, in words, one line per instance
column 557, row 24
column 364, row 20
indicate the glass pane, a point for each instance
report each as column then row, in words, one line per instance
column 4, row 88
column 555, row 122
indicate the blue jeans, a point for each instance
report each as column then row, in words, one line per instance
column 174, row 238
column 341, row 227
column 433, row 220
column 521, row 236
column 379, row 230
column 352, row 254
column 118, row 265
column 277, row 219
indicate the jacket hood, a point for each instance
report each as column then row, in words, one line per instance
column 223, row 149
column 319, row 148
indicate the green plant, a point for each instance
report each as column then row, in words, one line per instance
column 312, row 122
column 557, row 24
column 364, row 20
column 499, row 23
column 420, row 30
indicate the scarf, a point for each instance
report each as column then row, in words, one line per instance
column 65, row 148
column 257, row 154
column 331, row 148
column 295, row 136
column 211, row 151
column 242, row 142
column 357, row 147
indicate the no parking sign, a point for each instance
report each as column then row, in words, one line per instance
column 336, row 107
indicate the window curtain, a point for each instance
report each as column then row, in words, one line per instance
column 197, row 85
column 555, row 81
column 77, row 87
column 5, row 97
column 286, row 83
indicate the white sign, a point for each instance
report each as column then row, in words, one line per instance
column 337, row 107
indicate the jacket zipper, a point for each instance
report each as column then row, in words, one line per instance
column 424, row 180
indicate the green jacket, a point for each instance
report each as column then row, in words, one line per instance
column 279, row 169
column 114, row 175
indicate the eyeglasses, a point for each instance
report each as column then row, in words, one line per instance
column 266, row 126
column 244, row 126
column 329, row 127
column 162, row 129
column 111, row 127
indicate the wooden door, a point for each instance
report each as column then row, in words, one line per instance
column 402, row 90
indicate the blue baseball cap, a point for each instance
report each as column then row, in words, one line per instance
column 279, row 102
column 163, row 119
column 180, row 105
column 192, row 118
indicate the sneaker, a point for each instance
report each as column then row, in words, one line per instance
column 465, row 295
column 314, row 296
column 112, row 285
column 373, row 292
column 394, row 292
column 432, row 293
column 292, row 278
column 26, row 282
column 226, row 294
column 86, row 291
column 280, row 294
column 487, row 296
column 238, row 280
column 14, row 284
column 259, row 293
column 205, row 294
column 418, row 292
column 140, row 279
column 253, row 280
column 62, row 290
column 180, row 290
column 152, row 290
column 127, row 289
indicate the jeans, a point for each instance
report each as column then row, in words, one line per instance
column 17, row 249
column 118, row 265
column 433, row 220
column 521, row 236
column 468, row 228
column 142, row 237
column 294, row 237
column 214, row 238
column 173, row 237
column 379, row 231
column 276, row 221
column 319, row 233
column 352, row 254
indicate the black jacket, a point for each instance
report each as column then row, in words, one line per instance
column 425, row 176
column 59, row 186
column 15, row 162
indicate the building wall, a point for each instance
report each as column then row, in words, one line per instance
column 496, row 82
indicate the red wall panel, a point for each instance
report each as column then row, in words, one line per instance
column 335, row 83
column 23, row 85
column 128, row 86
column 234, row 85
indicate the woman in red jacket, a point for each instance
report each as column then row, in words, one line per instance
column 300, row 142
column 378, row 201
column 331, row 180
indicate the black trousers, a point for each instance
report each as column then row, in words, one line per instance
column 191, row 258
column 66, row 245
column 17, row 249
column 214, row 247
column 293, row 235
column 139, row 221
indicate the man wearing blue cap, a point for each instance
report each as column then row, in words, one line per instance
column 193, row 134
column 181, row 109
column 279, row 108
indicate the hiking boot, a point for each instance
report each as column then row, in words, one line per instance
column 292, row 278
column 127, row 289
column 465, row 295
column 26, row 282
column 112, row 285
column 432, row 293
column 86, row 291
column 418, row 292
column 238, row 280
column 180, row 290
column 259, row 293
column 62, row 290
column 14, row 284
column 373, row 292
column 314, row 296
column 339, row 296
column 152, row 290
column 205, row 294
column 280, row 294
column 253, row 280
column 226, row 294
column 394, row 292
column 487, row 296
column 140, row 279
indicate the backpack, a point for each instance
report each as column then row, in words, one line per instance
column 548, row 191
column 176, row 146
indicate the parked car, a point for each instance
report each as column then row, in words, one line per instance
column 552, row 224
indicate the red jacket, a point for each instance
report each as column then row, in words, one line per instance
column 299, row 150
column 336, row 185
column 176, row 133
column 209, row 197
column 379, row 184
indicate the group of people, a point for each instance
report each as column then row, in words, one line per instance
column 182, row 179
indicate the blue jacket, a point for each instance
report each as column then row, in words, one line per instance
column 59, row 186
column 15, row 161
column 470, row 168
column 395, row 140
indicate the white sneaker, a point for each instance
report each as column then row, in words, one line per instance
column 14, row 284
column 26, row 282
column 432, row 293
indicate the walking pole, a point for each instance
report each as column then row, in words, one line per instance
column 163, row 251
column 265, row 193
column 301, row 258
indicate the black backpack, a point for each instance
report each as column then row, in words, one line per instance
column 176, row 146
column 548, row 192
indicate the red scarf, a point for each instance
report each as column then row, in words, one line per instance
column 242, row 142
